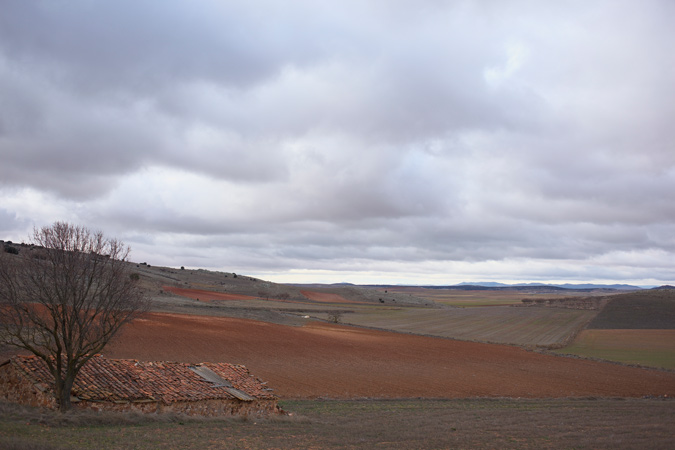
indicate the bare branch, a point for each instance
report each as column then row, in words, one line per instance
column 65, row 302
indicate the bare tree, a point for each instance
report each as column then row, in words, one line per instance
column 335, row 316
column 64, row 300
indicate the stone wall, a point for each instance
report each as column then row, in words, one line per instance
column 16, row 388
column 208, row 408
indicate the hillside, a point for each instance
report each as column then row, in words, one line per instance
column 653, row 309
column 159, row 282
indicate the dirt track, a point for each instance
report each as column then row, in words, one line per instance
column 325, row 360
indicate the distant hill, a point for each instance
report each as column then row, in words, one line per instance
column 626, row 287
column 530, row 288
column 535, row 289
column 155, row 278
column 620, row 287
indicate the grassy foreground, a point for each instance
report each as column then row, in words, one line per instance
column 393, row 424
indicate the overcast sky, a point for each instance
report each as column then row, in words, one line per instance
column 384, row 141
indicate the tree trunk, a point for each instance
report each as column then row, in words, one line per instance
column 63, row 392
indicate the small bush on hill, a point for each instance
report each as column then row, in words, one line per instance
column 11, row 250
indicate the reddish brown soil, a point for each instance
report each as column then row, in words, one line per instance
column 205, row 296
column 324, row 297
column 326, row 360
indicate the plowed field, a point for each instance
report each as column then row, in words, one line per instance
column 497, row 324
column 324, row 297
column 327, row 360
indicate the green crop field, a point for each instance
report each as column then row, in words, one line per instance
column 634, row 328
column 654, row 348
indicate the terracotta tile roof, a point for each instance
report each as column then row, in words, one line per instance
column 103, row 379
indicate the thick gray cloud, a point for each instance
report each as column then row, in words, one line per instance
column 361, row 141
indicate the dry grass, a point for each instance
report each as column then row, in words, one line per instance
column 75, row 418
column 367, row 424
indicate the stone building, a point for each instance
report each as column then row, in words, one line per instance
column 208, row 389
